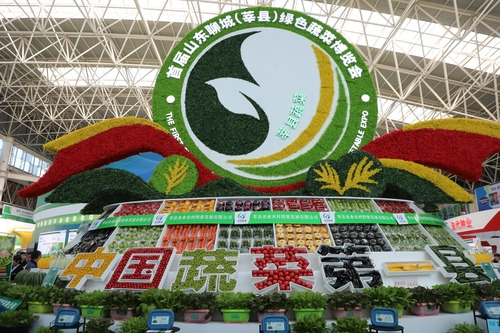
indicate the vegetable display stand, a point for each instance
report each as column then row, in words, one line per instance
column 92, row 311
column 430, row 309
column 302, row 313
column 235, row 315
column 37, row 307
column 455, row 307
column 349, row 313
column 197, row 316
column 279, row 312
column 119, row 315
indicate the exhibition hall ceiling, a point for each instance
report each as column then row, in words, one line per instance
column 66, row 64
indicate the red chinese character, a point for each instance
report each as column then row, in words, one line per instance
column 462, row 224
column 453, row 226
column 275, row 267
column 141, row 268
column 468, row 222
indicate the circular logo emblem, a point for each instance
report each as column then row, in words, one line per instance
column 260, row 94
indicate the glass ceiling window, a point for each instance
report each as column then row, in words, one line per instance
column 100, row 76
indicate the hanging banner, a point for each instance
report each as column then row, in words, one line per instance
column 7, row 243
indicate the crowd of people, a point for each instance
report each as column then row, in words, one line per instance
column 24, row 261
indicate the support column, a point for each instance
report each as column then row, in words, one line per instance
column 4, row 165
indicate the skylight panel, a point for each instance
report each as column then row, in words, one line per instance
column 100, row 76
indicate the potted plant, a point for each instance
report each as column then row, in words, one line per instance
column 198, row 307
column 64, row 298
column 465, row 328
column 274, row 303
column 426, row 301
column 346, row 303
column 350, row 324
column 39, row 298
column 121, row 303
column 305, row 303
column 133, row 325
column 485, row 292
column 16, row 321
column 153, row 299
column 235, row 306
column 457, row 298
column 92, row 303
column 98, row 325
column 311, row 324
column 397, row 298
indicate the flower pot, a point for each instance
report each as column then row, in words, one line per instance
column 423, row 309
column 350, row 313
column 302, row 313
column 196, row 316
column 56, row 307
column 454, row 307
column 278, row 312
column 89, row 311
column 119, row 315
column 37, row 307
column 235, row 315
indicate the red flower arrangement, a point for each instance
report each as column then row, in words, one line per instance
column 109, row 146
column 457, row 152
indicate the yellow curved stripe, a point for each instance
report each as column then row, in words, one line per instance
column 327, row 91
column 443, row 183
column 475, row 126
column 84, row 133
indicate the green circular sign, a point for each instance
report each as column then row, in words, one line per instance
column 260, row 94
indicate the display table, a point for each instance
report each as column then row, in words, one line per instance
column 412, row 324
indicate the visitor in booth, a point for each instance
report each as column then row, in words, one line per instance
column 23, row 258
column 35, row 256
column 16, row 266
column 496, row 257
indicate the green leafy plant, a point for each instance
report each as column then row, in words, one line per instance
column 424, row 295
column 152, row 299
column 65, row 296
column 485, row 291
column 133, row 325
column 122, row 300
column 46, row 329
column 310, row 324
column 346, row 299
column 237, row 300
column 453, row 291
column 307, row 300
column 42, row 294
column 198, row 301
column 4, row 286
column 350, row 324
column 17, row 318
column 389, row 297
column 92, row 298
column 98, row 325
column 21, row 293
column 465, row 328
column 272, row 301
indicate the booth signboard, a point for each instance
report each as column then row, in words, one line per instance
column 7, row 243
column 17, row 214
column 487, row 197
